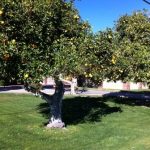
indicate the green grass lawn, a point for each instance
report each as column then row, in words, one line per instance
column 93, row 123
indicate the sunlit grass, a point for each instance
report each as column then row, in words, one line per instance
column 93, row 123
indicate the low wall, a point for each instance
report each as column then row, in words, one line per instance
column 119, row 85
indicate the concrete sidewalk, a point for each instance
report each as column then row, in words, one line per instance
column 19, row 89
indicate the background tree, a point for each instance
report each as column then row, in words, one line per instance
column 134, row 47
column 101, row 48
column 104, row 53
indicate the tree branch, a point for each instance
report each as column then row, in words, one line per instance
column 146, row 1
column 63, row 80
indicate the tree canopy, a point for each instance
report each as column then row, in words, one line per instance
column 48, row 37
column 134, row 47
column 40, row 38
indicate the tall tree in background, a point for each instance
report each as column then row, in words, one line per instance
column 133, row 52
column 104, row 55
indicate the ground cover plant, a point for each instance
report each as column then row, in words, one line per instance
column 92, row 123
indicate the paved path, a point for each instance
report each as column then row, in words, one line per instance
column 19, row 89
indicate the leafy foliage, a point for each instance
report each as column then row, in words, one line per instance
column 134, row 47
column 48, row 37
column 38, row 38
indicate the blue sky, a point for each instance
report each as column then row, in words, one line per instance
column 103, row 13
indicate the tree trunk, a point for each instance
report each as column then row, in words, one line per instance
column 73, row 85
column 56, row 105
column 72, row 89
column 55, row 102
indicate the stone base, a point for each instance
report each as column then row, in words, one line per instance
column 56, row 124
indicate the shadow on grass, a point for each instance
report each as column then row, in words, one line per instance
column 81, row 109
column 132, row 98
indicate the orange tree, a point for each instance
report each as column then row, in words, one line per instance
column 34, row 34
column 122, row 53
column 105, row 58
column 41, row 38
column 101, row 50
column 133, row 51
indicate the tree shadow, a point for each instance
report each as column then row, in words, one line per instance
column 132, row 98
column 81, row 109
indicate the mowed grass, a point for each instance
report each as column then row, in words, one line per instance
column 92, row 123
